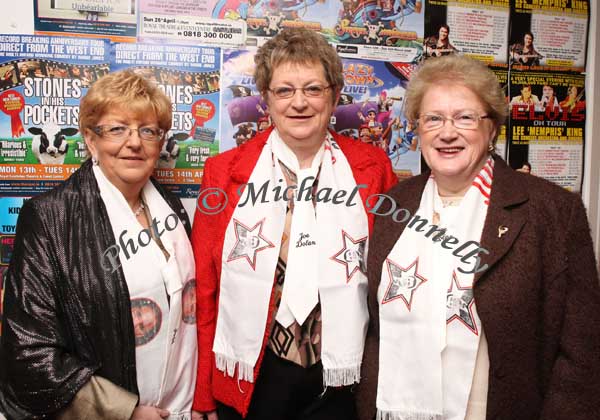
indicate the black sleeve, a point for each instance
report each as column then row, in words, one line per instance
column 39, row 375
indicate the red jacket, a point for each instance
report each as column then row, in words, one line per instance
column 228, row 172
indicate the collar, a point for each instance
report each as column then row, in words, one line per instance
column 247, row 155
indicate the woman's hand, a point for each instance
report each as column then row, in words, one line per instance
column 146, row 412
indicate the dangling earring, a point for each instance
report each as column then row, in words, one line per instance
column 94, row 160
column 491, row 147
column 332, row 120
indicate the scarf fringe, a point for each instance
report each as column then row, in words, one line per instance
column 228, row 365
column 341, row 376
column 400, row 415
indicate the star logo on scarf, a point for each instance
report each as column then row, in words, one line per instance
column 249, row 242
column 352, row 255
column 403, row 282
column 459, row 305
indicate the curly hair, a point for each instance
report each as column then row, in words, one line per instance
column 297, row 46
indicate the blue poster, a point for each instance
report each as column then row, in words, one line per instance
column 43, row 80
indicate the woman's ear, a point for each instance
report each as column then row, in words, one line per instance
column 494, row 135
column 90, row 140
column 337, row 95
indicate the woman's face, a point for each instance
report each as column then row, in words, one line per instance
column 528, row 40
column 128, row 164
column 455, row 155
column 300, row 118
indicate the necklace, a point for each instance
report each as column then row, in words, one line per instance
column 140, row 208
column 436, row 221
column 449, row 201
column 288, row 172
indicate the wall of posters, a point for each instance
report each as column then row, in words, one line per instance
column 9, row 212
column 190, row 76
column 547, row 125
column 115, row 19
column 244, row 113
column 43, row 80
column 371, row 110
column 179, row 7
column 544, row 37
column 509, row 35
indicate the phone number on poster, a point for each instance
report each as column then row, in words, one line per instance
column 207, row 35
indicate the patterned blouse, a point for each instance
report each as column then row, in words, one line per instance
column 300, row 344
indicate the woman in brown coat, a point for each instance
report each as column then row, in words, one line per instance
column 483, row 288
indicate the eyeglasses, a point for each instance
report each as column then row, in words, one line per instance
column 465, row 120
column 120, row 133
column 312, row 91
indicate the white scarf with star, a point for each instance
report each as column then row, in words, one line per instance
column 429, row 327
column 337, row 275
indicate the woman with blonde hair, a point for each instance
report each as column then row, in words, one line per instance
column 95, row 319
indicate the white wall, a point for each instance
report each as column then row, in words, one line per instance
column 17, row 17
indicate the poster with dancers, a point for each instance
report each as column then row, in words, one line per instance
column 370, row 108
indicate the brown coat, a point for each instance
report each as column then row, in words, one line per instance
column 539, row 300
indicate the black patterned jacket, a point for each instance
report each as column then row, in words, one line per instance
column 67, row 314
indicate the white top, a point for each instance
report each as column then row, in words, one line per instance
column 162, row 296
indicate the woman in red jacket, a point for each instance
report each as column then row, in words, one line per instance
column 280, row 239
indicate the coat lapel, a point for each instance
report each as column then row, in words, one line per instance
column 241, row 167
column 247, row 156
column 505, row 218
